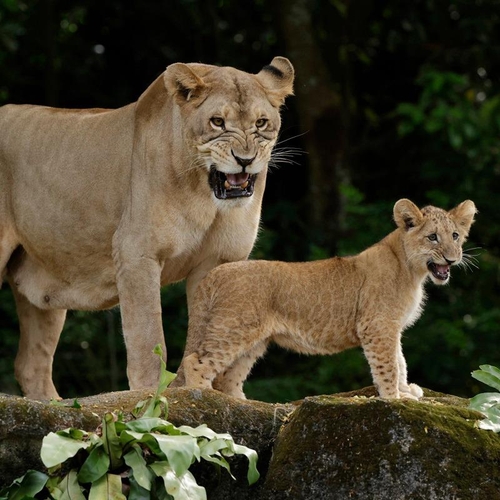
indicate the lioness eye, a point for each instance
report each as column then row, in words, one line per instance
column 455, row 236
column 217, row 121
column 432, row 237
column 261, row 123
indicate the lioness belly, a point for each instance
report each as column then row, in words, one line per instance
column 87, row 291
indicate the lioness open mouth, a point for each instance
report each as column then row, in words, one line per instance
column 439, row 271
column 227, row 186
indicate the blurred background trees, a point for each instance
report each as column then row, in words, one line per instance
column 392, row 99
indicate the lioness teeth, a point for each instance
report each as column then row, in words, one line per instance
column 227, row 186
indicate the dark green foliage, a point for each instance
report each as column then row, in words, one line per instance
column 416, row 96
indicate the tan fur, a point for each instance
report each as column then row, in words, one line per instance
column 105, row 206
column 324, row 307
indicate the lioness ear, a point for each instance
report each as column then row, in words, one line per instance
column 277, row 79
column 407, row 214
column 464, row 214
column 182, row 82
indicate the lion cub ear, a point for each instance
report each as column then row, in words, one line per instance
column 277, row 79
column 182, row 82
column 463, row 214
column 407, row 214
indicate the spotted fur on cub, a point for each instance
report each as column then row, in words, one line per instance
column 326, row 306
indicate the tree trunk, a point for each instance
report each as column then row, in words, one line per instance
column 323, row 120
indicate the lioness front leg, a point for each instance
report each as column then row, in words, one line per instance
column 138, row 284
column 40, row 331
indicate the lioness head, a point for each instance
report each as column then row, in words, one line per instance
column 231, row 119
column 433, row 237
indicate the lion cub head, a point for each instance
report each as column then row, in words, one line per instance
column 433, row 237
column 231, row 118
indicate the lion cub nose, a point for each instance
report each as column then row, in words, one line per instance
column 243, row 162
column 450, row 262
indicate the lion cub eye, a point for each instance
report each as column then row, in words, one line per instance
column 261, row 123
column 432, row 237
column 455, row 236
column 217, row 122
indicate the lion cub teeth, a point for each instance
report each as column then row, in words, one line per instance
column 236, row 186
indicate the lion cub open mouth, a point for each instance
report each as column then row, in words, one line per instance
column 231, row 185
column 439, row 271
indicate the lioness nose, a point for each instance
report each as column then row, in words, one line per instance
column 243, row 162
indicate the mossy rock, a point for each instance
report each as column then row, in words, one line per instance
column 327, row 447
column 364, row 447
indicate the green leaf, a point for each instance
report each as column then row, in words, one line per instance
column 137, row 492
column 96, row 465
column 493, row 370
column 482, row 402
column 219, row 460
column 56, row 449
column 111, row 441
column 138, row 466
column 488, row 375
column 146, row 424
column 75, row 404
column 26, row 486
column 70, row 488
column 182, row 487
column 145, row 438
column 253, row 474
column 179, row 450
column 109, row 487
column 154, row 408
column 210, row 448
column 490, row 424
column 203, row 431
column 73, row 433
column 166, row 377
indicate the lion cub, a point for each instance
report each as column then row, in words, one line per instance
column 326, row 306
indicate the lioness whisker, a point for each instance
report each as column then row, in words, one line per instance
column 290, row 138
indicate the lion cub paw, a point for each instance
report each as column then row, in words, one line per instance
column 411, row 391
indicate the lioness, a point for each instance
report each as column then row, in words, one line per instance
column 324, row 307
column 99, row 207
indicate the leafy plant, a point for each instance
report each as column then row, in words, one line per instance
column 146, row 458
column 488, row 403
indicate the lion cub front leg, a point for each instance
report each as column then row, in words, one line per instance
column 380, row 345
column 410, row 391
